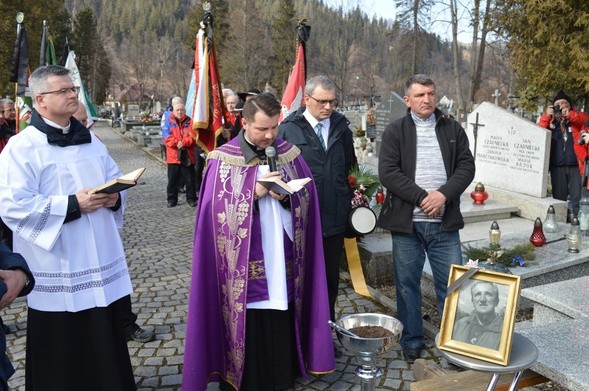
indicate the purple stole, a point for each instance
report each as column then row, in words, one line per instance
column 227, row 251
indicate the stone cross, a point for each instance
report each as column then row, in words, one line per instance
column 391, row 101
column 475, row 130
column 496, row 95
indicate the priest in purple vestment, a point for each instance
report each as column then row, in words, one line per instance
column 258, row 307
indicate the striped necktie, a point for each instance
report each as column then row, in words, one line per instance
column 318, row 129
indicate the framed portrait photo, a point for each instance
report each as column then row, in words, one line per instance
column 479, row 315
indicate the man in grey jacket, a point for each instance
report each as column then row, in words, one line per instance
column 425, row 164
column 325, row 140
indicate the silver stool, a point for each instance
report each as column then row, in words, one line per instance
column 523, row 354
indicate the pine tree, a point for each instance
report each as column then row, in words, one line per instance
column 220, row 12
column 91, row 57
column 548, row 43
column 283, row 44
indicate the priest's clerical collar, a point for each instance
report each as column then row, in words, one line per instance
column 76, row 132
column 259, row 151
column 64, row 130
column 249, row 149
column 247, row 140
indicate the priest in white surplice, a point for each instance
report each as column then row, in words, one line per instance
column 70, row 239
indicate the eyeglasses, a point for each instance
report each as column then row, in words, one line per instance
column 62, row 91
column 332, row 102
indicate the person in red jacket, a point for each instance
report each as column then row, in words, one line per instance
column 567, row 156
column 181, row 156
column 583, row 146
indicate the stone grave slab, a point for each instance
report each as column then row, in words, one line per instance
column 554, row 302
column 552, row 264
column 511, row 153
column 388, row 111
column 562, row 348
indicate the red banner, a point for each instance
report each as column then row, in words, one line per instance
column 292, row 98
column 209, row 107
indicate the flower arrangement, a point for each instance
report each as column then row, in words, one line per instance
column 371, row 117
column 364, row 184
column 516, row 256
column 146, row 117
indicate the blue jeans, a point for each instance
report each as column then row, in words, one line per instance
column 409, row 251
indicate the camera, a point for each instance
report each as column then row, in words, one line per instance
column 557, row 109
column 581, row 139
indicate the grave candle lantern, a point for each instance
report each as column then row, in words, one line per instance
column 479, row 195
column 574, row 236
column 550, row 223
column 584, row 216
column 379, row 195
column 494, row 235
column 538, row 238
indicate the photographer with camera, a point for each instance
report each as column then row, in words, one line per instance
column 567, row 155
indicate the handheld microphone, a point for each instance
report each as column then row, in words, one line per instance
column 271, row 155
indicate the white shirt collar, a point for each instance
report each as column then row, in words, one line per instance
column 313, row 121
column 65, row 130
column 429, row 121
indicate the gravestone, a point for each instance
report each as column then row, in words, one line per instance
column 133, row 112
column 355, row 118
column 388, row 111
column 511, row 153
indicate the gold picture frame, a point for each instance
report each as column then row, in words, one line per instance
column 479, row 316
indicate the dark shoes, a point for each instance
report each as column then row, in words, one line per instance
column 412, row 354
column 172, row 204
column 141, row 335
column 192, row 203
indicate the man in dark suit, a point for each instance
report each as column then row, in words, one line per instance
column 326, row 142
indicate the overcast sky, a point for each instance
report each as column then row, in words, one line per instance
column 380, row 8
column 386, row 9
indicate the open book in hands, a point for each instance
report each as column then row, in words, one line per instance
column 279, row 186
column 119, row 184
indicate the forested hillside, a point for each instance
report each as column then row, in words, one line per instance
column 148, row 45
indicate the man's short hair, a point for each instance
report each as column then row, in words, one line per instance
column 38, row 79
column 7, row 101
column 265, row 103
column 178, row 103
column 325, row 82
column 419, row 78
column 177, row 99
column 493, row 286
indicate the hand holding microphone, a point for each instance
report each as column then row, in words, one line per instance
column 271, row 155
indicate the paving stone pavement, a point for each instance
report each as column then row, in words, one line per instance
column 158, row 244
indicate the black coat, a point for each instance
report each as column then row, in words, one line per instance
column 330, row 167
column 396, row 171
